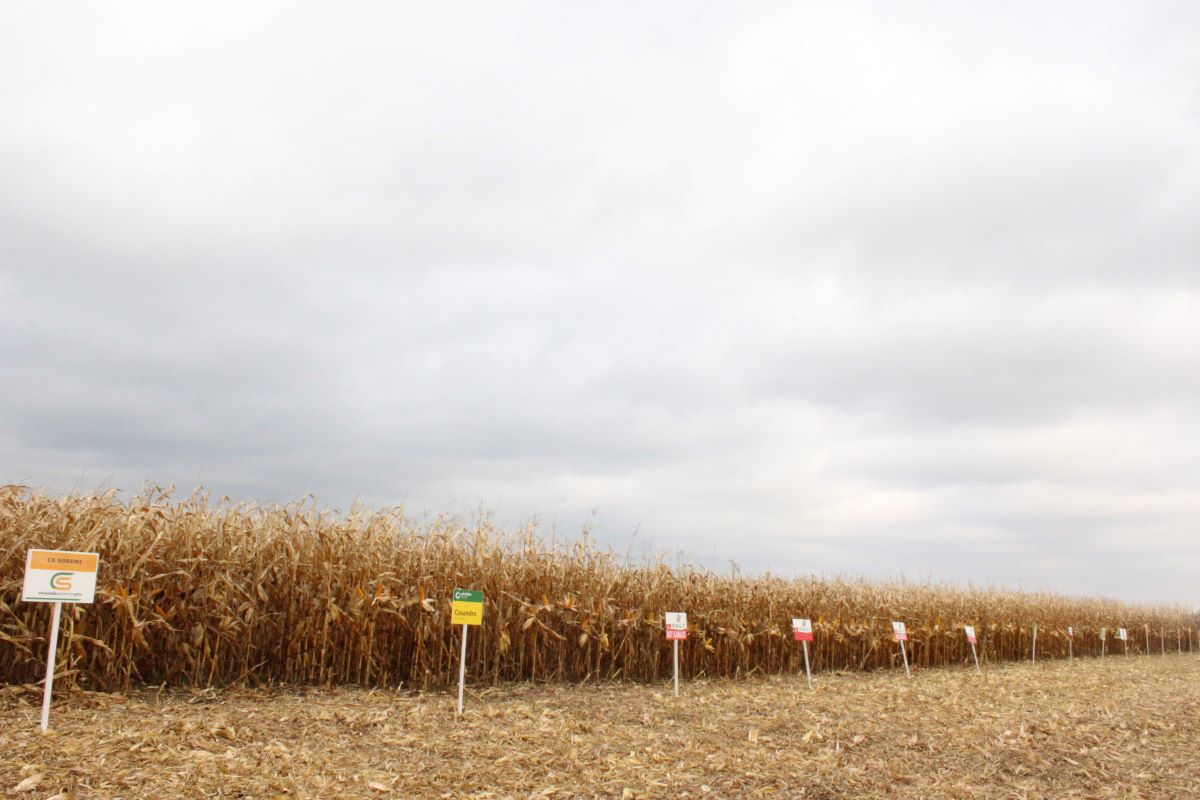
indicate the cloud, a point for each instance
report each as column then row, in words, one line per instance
column 823, row 288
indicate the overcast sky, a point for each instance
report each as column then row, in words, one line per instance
column 881, row 289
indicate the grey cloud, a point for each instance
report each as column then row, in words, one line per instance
column 841, row 288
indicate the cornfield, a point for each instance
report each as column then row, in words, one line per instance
column 199, row 594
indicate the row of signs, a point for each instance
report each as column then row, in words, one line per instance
column 59, row 576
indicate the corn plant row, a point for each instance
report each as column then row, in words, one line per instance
column 201, row 593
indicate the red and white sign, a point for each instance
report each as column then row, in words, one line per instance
column 970, row 631
column 676, row 625
column 1070, row 632
column 802, row 630
column 899, row 632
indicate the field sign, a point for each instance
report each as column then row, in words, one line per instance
column 1070, row 632
column 1070, row 642
column 802, row 631
column 901, row 636
column 1103, row 634
column 676, row 625
column 969, row 630
column 1122, row 634
column 466, row 607
column 60, row 576
column 676, row 630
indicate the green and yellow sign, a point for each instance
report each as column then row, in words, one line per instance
column 467, row 607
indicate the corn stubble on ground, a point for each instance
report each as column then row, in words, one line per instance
column 1121, row 727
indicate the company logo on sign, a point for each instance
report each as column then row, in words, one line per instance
column 61, row 581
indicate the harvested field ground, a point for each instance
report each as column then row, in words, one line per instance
column 1121, row 727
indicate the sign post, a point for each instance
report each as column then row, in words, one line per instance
column 466, row 609
column 1070, row 643
column 58, row 576
column 1033, row 656
column 676, row 630
column 901, row 637
column 802, row 631
column 1123, row 635
column 1103, row 640
column 970, row 631
column 1147, row 640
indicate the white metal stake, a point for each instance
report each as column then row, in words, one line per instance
column 1147, row 640
column 976, row 657
column 807, row 671
column 1102, row 645
column 1125, row 642
column 462, row 671
column 1034, row 656
column 1070, row 648
column 51, row 657
column 1162, row 641
column 904, row 655
column 677, row 668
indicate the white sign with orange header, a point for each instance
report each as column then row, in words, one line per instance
column 60, row 576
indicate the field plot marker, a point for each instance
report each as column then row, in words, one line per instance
column 1147, row 640
column 466, row 608
column 970, row 631
column 1070, row 642
column 802, row 631
column 1033, row 657
column 1162, row 640
column 901, row 637
column 676, row 630
column 1123, row 635
column 1103, row 640
column 58, row 576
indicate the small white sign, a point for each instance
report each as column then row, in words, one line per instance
column 970, row 630
column 1103, row 634
column 60, row 576
column 1122, row 634
column 802, row 630
column 899, row 632
column 677, row 620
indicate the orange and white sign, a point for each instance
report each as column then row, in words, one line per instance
column 60, row 576
column 899, row 632
column 802, row 630
column 676, row 625
column 970, row 631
